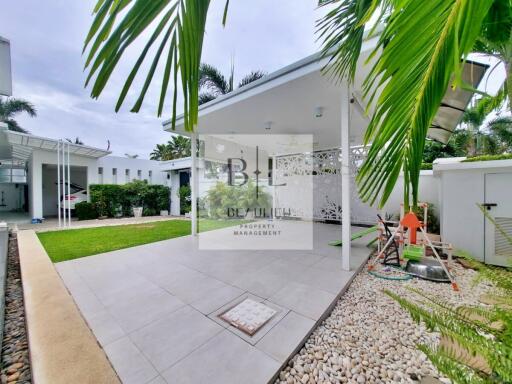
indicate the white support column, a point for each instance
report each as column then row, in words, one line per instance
column 193, row 183
column 345, row 176
column 63, row 184
column 58, row 182
column 69, row 188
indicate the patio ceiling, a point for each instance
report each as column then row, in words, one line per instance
column 287, row 102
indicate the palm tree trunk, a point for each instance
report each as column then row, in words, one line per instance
column 508, row 71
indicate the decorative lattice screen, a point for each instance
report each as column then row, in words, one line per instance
column 325, row 166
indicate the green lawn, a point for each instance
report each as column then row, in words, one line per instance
column 75, row 243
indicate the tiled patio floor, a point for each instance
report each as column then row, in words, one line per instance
column 154, row 307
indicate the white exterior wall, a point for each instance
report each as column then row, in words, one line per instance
column 429, row 193
column 462, row 186
column 123, row 163
column 13, row 196
column 35, row 175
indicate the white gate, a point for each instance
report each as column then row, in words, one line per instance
column 325, row 167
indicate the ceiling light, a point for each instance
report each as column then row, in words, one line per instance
column 319, row 112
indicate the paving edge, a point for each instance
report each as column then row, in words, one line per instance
column 324, row 316
column 61, row 345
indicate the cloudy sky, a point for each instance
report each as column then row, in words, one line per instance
column 46, row 44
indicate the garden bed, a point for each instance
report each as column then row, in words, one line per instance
column 15, row 354
column 368, row 338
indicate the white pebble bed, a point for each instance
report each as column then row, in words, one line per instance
column 368, row 338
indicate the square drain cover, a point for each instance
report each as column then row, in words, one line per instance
column 248, row 316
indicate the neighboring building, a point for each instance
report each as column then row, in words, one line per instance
column 28, row 173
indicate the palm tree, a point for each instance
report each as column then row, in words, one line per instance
column 419, row 54
column 77, row 141
column 159, row 153
column 179, row 146
column 176, row 148
column 10, row 107
column 216, row 84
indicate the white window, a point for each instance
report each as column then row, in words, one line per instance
column 114, row 175
column 127, row 175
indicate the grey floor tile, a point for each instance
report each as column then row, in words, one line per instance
column 216, row 298
column 158, row 380
column 192, row 286
column 286, row 336
column 129, row 363
column 263, row 283
column 166, row 341
column 331, row 281
column 303, row 299
column 104, row 327
column 142, row 310
column 225, row 359
column 87, row 302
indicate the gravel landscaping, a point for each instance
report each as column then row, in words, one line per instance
column 15, row 356
column 368, row 338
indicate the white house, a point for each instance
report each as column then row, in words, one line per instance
column 300, row 100
column 28, row 173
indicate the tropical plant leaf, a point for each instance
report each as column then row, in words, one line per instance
column 433, row 38
column 341, row 31
column 177, row 27
column 253, row 76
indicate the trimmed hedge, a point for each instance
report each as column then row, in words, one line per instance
column 506, row 156
column 113, row 200
column 426, row 166
column 86, row 211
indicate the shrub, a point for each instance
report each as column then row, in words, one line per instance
column 222, row 196
column 86, row 211
column 111, row 199
column 184, row 194
column 426, row 166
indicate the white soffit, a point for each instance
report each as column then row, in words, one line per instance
column 23, row 144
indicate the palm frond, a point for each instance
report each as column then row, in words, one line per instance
column 11, row 106
column 341, row 31
column 253, row 76
column 12, row 125
column 205, row 97
column 432, row 38
column 213, row 80
column 178, row 28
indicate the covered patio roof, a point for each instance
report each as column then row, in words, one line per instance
column 19, row 146
column 300, row 99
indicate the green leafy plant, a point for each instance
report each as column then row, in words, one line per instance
column 476, row 341
column 223, row 197
column 185, row 193
column 86, row 211
column 420, row 53
column 110, row 197
column 507, row 156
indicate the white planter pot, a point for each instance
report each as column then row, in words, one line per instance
column 137, row 211
column 164, row 213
